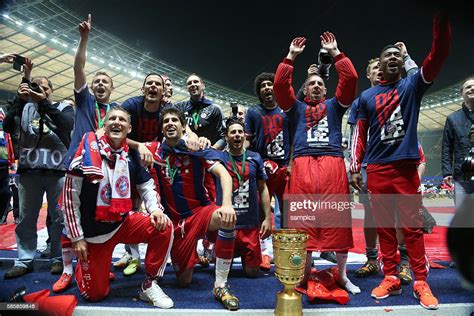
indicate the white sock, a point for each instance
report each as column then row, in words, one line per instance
column 67, row 254
column 135, row 252
column 222, row 271
column 341, row 267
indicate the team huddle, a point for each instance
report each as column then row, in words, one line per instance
column 200, row 176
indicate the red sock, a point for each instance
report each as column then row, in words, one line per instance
column 225, row 243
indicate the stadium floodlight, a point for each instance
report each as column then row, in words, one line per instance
column 31, row 29
column 6, row 16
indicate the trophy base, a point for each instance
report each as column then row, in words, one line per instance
column 288, row 304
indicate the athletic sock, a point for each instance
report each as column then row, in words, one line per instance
column 224, row 248
column 135, row 252
column 67, row 254
column 341, row 267
column 404, row 259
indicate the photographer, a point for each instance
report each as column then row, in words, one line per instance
column 457, row 145
column 45, row 129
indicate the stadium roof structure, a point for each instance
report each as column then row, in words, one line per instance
column 48, row 33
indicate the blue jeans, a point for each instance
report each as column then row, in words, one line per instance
column 31, row 188
column 461, row 189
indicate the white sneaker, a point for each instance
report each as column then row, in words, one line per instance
column 123, row 262
column 156, row 296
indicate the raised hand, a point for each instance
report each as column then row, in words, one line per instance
column 313, row 69
column 7, row 58
column 296, row 47
column 27, row 68
column 328, row 42
column 24, row 91
column 85, row 26
column 403, row 49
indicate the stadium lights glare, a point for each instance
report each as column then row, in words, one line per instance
column 31, row 29
column 6, row 16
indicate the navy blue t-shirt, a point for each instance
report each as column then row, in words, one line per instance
column 245, row 196
column 144, row 124
column 270, row 133
column 354, row 113
column 316, row 130
column 392, row 111
column 85, row 119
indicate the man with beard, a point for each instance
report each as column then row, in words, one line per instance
column 202, row 116
column 374, row 74
column 187, row 203
column 457, row 144
column 97, row 208
column 250, row 197
column 389, row 113
column 318, row 166
column 266, row 128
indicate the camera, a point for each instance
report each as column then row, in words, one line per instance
column 35, row 87
column 19, row 62
column 235, row 108
column 324, row 63
column 467, row 167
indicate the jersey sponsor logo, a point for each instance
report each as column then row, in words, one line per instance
column 106, row 194
column 122, row 186
column 389, row 116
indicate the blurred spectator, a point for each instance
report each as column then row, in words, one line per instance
column 456, row 144
column 45, row 135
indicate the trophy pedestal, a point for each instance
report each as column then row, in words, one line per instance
column 288, row 303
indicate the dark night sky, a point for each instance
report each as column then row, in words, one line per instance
column 231, row 42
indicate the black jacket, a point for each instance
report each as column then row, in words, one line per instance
column 456, row 143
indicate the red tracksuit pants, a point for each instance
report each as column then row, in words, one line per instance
column 92, row 277
column 394, row 189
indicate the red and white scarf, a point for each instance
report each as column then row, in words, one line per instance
column 109, row 167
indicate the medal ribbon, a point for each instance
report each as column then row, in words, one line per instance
column 172, row 171
column 236, row 170
column 100, row 121
column 196, row 118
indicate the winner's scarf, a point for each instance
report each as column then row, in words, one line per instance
column 101, row 164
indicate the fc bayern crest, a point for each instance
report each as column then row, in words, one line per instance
column 105, row 194
column 390, row 128
column 237, row 199
column 94, row 146
column 122, row 186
